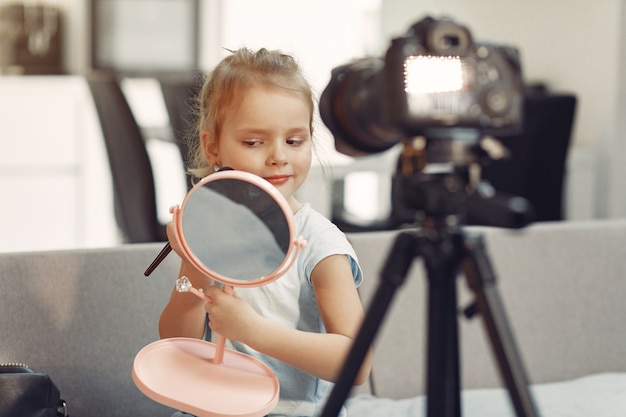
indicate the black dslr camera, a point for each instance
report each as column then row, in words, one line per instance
column 446, row 98
column 431, row 80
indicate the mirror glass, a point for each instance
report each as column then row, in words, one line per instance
column 235, row 228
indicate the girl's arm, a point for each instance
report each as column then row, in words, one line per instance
column 184, row 316
column 319, row 354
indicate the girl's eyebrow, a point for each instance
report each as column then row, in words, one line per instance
column 298, row 131
column 251, row 130
column 259, row 130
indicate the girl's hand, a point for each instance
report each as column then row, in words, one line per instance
column 229, row 315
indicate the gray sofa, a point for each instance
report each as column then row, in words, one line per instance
column 82, row 315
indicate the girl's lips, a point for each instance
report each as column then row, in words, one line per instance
column 277, row 179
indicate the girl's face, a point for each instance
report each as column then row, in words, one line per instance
column 269, row 135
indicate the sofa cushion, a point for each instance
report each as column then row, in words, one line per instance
column 598, row 395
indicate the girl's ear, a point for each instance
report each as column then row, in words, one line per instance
column 209, row 146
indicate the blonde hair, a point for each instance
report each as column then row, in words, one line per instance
column 226, row 85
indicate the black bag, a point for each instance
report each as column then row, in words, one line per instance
column 27, row 393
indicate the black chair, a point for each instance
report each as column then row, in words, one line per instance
column 133, row 181
column 179, row 95
column 536, row 169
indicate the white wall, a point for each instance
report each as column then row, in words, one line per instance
column 614, row 150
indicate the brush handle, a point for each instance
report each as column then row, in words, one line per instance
column 159, row 258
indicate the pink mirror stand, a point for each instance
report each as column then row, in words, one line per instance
column 200, row 377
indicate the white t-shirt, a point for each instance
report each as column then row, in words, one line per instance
column 290, row 301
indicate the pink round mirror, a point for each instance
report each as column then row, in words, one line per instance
column 237, row 229
column 232, row 216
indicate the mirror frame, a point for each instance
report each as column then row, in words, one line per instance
column 295, row 244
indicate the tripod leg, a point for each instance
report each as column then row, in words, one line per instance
column 393, row 276
column 443, row 378
column 481, row 280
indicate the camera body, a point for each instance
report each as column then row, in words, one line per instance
column 431, row 81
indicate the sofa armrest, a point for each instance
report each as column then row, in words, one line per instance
column 81, row 316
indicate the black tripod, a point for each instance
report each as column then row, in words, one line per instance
column 445, row 248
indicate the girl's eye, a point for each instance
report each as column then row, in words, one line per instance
column 251, row 142
column 295, row 141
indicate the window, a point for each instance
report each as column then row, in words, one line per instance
column 144, row 36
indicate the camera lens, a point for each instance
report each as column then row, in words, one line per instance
column 352, row 107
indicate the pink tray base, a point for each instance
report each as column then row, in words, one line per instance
column 180, row 373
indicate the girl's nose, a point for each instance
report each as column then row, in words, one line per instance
column 277, row 155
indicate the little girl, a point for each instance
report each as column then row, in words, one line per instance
column 256, row 115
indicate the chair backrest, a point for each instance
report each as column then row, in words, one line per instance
column 179, row 95
column 537, row 167
column 133, row 180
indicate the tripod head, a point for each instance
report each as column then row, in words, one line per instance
column 438, row 183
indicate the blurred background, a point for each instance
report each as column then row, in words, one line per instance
column 61, row 63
